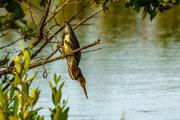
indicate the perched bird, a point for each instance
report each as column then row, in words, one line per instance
column 70, row 43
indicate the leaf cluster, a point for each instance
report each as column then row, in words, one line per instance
column 152, row 7
column 59, row 112
column 20, row 99
column 14, row 13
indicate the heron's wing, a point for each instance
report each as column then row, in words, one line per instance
column 75, row 46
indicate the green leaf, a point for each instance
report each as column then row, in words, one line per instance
column 13, row 118
column 35, row 95
column 27, row 59
column 4, row 60
column 12, row 91
column 137, row 5
column 57, row 97
column 57, row 114
column 40, row 118
column 64, row 103
column 144, row 14
column 51, row 110
column 166, row 1
column 16, row 106
column 27, row 99
column 17, row 61
column 14, row 7
column 31, row 78
column 52, row 88
column 16, row 79
column 55, row 76
column 36, row 110
column 62, row 84
column 56, row 79
column 65, row 114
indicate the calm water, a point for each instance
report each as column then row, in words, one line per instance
column 135, row 75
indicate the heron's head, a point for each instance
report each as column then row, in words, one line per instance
column 67, row 28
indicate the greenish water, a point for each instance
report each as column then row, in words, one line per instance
column 136, row 74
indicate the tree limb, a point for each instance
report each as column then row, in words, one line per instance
column 93, row 14
column 60, row 8
column 46, row 60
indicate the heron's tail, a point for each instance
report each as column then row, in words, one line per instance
column 82, row 83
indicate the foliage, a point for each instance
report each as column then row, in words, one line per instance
column 4, row 61
column 59, row 112
column 151, row 6
column 19, row 100
column 14, row 12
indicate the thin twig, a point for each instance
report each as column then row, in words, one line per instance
column 42, row 25
column 42, row 62
column 74, row 16
column 84, row 20
column 12, row 43
column 96, row 12
column 46, row 60
column 59, row 9
column 91, row 50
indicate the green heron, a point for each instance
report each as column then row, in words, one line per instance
column 70, row 43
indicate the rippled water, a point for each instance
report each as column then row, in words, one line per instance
column 136, row 75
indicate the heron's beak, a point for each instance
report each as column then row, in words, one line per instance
column 84, row 90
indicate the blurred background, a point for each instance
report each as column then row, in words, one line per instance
column 135, row 76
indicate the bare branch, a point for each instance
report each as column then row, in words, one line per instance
column 42, row 62
column 93, row 14
column 84, row 20
column 12, row 43
column 59, row 9
column 46, row 60
column 92, row 50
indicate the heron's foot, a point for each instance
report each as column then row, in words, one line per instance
column 60, row 46
column 69, row 53
column 62, row 56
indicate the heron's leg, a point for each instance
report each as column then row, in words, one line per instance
column 60, row 46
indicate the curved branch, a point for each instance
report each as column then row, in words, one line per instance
column 12, row 43
column 93, row 14
column 60, row 8
column 84, row 20
column 46, row 60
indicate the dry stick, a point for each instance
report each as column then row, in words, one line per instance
column 40, row 33
column 32, row 17
column 73, row 17
column 57, row 58
column 42, row 25
column 48, row 57
column 39, row 63
column 10, row 44
column 91, row 50
column 90, row 16
column 46, row 42
column 84, row 20
column 47, row 60
column 60, row 8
